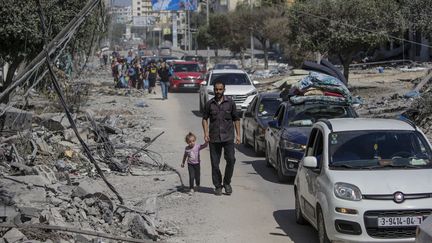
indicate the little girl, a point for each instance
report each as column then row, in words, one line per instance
column 192, row 155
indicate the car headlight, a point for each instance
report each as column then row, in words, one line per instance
column 176, row 77
column 252, row 93
column 293, row 146
column 347, row 191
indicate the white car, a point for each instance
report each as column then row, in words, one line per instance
column 238, row 86
column 364, row 180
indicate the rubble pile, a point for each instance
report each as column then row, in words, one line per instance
column 50, row 190
column 420, row 110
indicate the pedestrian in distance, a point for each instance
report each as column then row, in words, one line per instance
column 224, row 119
column 152, row 76
column 192, row 156
column 164, row 74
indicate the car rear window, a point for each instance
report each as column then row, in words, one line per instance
column 306, row 115
column 230, row 78
column 186, row 67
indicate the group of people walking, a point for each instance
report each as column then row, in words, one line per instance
column 135, row 72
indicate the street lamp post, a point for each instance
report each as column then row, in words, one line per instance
column 251, row 40
column 208, row 23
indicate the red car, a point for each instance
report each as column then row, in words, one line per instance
column 187, row 75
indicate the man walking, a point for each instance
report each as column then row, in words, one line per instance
column 223, row 119
column 164, row 75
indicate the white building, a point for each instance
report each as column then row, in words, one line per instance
column 122, row 15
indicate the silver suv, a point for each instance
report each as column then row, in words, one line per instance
column 364, row 180
column 238, row 86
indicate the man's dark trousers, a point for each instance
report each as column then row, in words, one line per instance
column 215, row 157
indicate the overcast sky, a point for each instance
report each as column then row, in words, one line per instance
column 122, row 2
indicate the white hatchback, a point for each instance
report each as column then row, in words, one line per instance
column 364, row 180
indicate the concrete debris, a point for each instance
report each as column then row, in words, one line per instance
column 46, row 177
column 14, row 235
column 142, row 229
column 13, row 119
column 53, row 121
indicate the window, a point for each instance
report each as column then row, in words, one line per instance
column 231, row 78
column 378, row 149
column 268, row 107
column 186, row 68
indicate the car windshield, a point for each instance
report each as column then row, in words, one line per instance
column 225, row 66
column 306, row 115
column 193, row 67
column 230, row 78
column 378, row 149
column 268, row 107
column 194, row 58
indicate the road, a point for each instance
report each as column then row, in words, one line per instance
column 259, row 210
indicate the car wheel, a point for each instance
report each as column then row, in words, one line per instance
column 256, row 147
column 267, row 158
column 322, row 234
column 280, row 175
column 298, row 213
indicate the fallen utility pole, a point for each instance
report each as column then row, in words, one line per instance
column 68, row 113
column 61, row 38
column 72, row 230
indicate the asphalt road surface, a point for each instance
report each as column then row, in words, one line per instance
column 259, row 210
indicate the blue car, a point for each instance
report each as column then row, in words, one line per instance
column 256, row 117
column 287, row 133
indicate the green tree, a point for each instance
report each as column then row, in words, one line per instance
column 268, row 24
column 21, row 34
column 343, row 27
column 418, row 15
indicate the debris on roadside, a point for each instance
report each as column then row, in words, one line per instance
column 51, row 191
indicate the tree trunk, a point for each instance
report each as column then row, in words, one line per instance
column 346, row 60
column 265, row 53
column 242, row 58
column 9, row 77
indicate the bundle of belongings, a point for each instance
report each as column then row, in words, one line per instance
column 319, row 87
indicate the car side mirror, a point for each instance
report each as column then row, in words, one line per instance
column 273, row 124
column 310, row 162
column 248, row 114
column 255, row 82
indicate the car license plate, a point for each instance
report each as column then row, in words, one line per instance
column 399, row 221
column 189, row 85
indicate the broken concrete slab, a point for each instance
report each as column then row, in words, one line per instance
column 14, row 235
column 7, row 213
column 141, row 229
column 46, row 172
column 13, row 119
column 53, row 121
